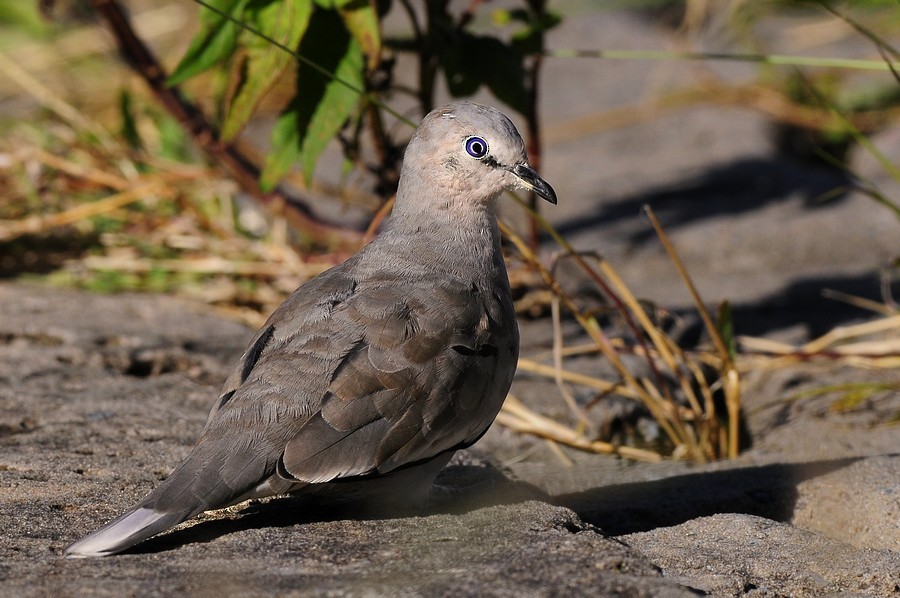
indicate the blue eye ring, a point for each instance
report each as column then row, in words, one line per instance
column 476, row 147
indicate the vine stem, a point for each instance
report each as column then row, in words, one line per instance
column 139, row 57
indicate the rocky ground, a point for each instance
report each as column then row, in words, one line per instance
column 100, row 396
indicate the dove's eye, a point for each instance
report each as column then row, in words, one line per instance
column 476, row 147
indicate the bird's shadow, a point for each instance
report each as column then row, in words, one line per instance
column 768, row 491
column 466, row 486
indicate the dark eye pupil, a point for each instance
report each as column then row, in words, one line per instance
column 476, row 147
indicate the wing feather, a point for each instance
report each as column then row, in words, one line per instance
column 371, row 376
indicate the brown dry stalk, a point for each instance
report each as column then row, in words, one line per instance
column 672, row 419
column 144, row 62
column 516, row 416
column 598, row 384
column 731, row 378
column 771, row 102
column 211, row 265
column 42, row 223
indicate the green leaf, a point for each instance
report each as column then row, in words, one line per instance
column 333, row 110
column 725, row 324
column 339, row 4
column 361, row 21
column 321, row 105
column 173, row 140
column 285, row 147
column 285, row 22
column 129, row 125
column 475, row 60
column 530, row 39
column 215, row 42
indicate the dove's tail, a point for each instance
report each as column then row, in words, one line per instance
column 124, row 532
column 201, row 483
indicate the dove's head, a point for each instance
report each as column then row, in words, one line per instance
column 465, row 154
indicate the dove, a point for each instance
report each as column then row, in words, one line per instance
column 369, row 377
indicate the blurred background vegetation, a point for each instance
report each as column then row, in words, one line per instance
column 227, row 150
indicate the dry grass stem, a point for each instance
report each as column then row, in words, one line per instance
column 42, row 223
column 692, row 427
column 731, row 377
column 47, row 98
column 584, row 422
column 210, row 265
column 516, row 416
column 842, row 333
column 861, row 302
column 874, row 345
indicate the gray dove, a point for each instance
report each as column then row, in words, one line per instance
column 369, row 376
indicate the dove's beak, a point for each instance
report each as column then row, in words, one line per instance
column 530, row 180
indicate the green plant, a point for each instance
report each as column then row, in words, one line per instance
column 147, row 217
column 343, row 71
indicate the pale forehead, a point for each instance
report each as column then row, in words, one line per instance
column 468, row 118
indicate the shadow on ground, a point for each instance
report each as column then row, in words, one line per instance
column 803, row 302
column 729, row 189
column 768, row 491
column 468, row 486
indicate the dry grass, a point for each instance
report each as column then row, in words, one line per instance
column 686, row 410
column 155, row 222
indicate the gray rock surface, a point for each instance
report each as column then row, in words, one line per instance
column 101, row 396
column 99, row 405
column 735, row 555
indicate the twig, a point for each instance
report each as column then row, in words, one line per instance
column 534, row 367
column 532, row 79
column 378, row 218
column 38, row 224
column 557, row 367
column 518, row 417
column 211, row 265
column 142, row 60
column 731, row 377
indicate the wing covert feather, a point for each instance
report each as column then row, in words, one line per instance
column 376, row 373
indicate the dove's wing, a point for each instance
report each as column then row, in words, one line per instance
column 375, row 375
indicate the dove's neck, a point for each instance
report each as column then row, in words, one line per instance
column 461, row 238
